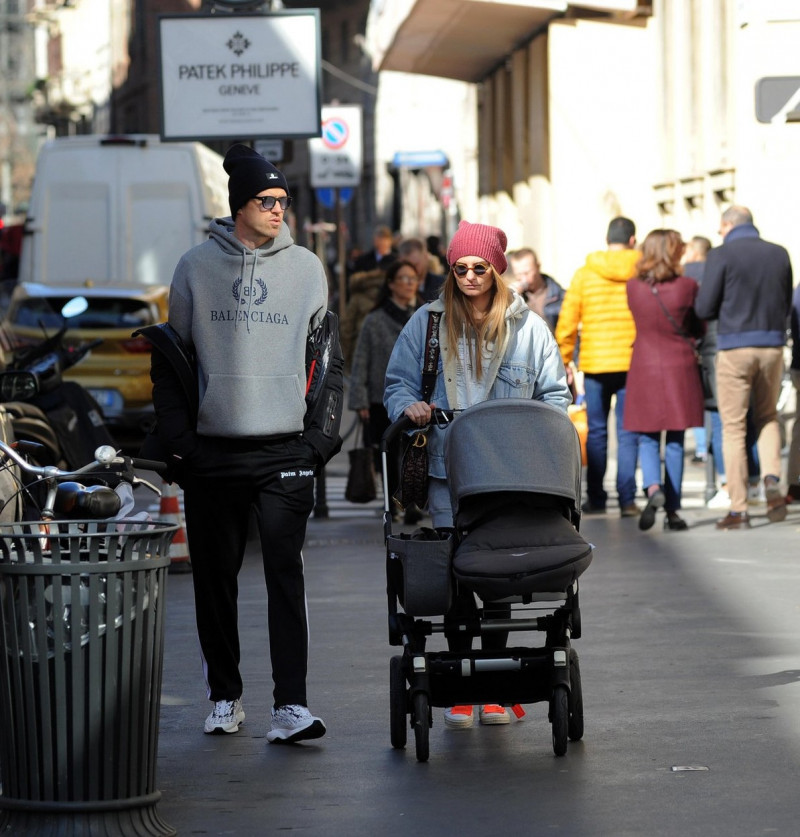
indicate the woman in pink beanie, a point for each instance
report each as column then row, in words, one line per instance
column 491, row 345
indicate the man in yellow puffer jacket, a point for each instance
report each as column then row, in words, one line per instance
column 596, row 303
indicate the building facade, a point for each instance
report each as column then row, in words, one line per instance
column 17, row 85
column 545, row 118
column 590, row 110
column 92, row 66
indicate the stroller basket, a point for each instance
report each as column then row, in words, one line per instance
column 424, row 565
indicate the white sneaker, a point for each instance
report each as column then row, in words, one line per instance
column 458, row 717
column 225, row 717
column 492, row 713
column 721, row 500
column 756, row 495
column 292, row 723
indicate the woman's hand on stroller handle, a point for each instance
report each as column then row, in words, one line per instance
column 437, row 416
column 419, row 413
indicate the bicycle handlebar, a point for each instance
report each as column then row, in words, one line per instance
column 148, row 465
column 105, row 459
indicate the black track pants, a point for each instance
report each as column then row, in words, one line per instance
column 277, row 479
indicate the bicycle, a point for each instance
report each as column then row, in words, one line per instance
column 65, row 496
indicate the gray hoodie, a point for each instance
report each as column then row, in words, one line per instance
column 247, row 315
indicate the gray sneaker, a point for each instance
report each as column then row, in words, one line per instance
column 225, row 717
column 292, row 723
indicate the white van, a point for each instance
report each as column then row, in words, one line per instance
column 118, row 210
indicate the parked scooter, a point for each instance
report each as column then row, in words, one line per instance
column 60, row 415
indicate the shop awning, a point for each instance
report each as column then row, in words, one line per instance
column 467, row 39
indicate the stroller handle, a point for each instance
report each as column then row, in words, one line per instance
column 439, row 417
column 394, row 430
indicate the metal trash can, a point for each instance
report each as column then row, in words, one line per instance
column 82, row 607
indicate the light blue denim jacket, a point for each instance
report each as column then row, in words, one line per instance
column 529, row 367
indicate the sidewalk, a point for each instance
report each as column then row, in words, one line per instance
column 240, row 784
column 351, row 782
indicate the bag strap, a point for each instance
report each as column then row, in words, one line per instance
column 431, row 360
column 677, row 328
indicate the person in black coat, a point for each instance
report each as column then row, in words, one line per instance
column 694, row 266
column 382, row 246
column 747, row 288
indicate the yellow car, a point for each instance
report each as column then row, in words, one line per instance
column 117, row 372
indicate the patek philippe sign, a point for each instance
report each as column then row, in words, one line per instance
column 237, row 76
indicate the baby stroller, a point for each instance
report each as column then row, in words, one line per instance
column 514, row 475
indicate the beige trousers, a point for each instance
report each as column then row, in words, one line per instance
column 745, row 377
column 793, row 466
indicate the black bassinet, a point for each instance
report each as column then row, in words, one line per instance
column 514, row 472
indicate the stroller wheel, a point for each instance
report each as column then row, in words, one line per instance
column 398, row 703
column 575, row 727
column 422, row 725
column 559, row 718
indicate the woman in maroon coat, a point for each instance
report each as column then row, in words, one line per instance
column 663, row 389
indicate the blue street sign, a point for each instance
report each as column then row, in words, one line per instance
column 419, row 159
column 327, row 197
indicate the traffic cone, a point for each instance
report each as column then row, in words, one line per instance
column 170, row 511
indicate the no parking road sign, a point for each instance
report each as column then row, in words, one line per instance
column 335, row 132
column 336, row 155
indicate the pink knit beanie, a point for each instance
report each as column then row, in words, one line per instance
column 489, row 243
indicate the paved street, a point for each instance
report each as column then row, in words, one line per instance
column 690, row 658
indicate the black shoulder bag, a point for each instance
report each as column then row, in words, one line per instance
column 324, row 388
column 413, row 488
column 360, row 487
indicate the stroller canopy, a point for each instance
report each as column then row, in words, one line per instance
column 513, row 444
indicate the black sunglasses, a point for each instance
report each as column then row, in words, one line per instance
column 268, row 202
column 462, row 270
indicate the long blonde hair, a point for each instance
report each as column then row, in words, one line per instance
column 461, row 321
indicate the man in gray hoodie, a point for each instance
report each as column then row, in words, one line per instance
column 244, row 304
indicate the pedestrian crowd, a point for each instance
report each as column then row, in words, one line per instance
column 697, row 331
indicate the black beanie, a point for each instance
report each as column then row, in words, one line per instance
column 248, row 174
